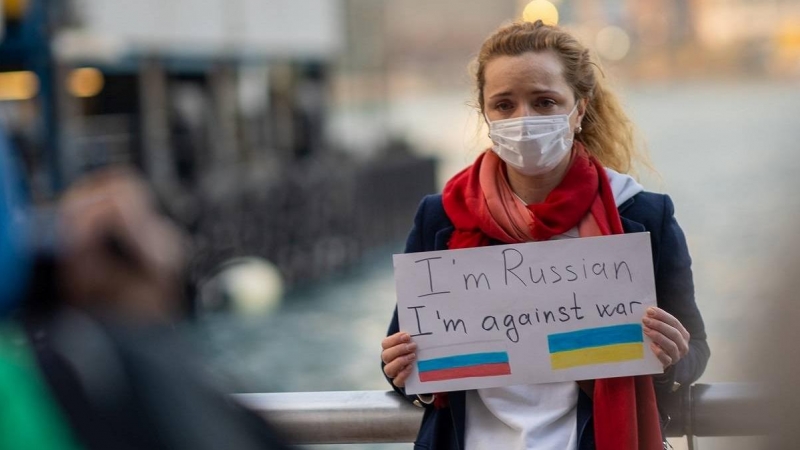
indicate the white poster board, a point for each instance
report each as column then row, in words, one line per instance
column 527, row 313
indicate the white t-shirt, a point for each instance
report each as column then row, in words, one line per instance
column 524, row 417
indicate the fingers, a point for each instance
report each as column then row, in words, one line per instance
column 663, row 316
column 665, row 344
column 398, row 356
column 670, row 338
column 392, row 353
column 399, row 365
column 400, row 379
column 662, row 356
column 666, row 337
column 395, row 339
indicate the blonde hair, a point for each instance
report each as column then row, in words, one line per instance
column 607, row 132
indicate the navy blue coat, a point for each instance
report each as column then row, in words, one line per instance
column 646, row 211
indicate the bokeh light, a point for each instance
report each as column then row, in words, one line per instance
column 541, row 10
column 21, row 85
column 14, row 9
column 85, row 82
column 612, row 43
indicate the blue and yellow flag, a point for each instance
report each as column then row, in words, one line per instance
column 592, row 346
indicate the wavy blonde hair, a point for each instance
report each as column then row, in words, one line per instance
column 607, row 132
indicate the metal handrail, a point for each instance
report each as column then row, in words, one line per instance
column 354, row 417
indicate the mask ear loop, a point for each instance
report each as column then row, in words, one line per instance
column 574, row 108
column 578, row 128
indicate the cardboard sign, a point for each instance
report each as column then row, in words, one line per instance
column 527, row 313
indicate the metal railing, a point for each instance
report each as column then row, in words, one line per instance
column 353, row 417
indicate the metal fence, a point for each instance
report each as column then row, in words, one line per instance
column 357, row 417
column 310, row 219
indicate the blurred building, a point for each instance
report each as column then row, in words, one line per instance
column 420, row 44
column 754, row 36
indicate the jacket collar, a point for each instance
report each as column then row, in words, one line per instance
column 626, row 204
column 630, row 226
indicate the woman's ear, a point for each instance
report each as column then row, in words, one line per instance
column 582, row 105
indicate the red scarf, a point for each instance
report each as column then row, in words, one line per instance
column 625, row 412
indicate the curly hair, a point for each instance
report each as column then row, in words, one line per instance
column 607, row 132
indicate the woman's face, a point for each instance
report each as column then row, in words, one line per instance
column 530, row 84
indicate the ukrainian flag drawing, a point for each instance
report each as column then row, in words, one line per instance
column 471, row 365
column 596, row 346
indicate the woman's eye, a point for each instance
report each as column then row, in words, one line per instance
column 504, row 106
column 545, row 103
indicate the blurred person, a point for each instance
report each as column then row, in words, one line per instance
column 118, row 253
column 93, row 359
column 561, row 148
column 29, row 417
column 15, row 259
column 771, row 358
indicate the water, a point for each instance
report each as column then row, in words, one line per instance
column 323, row 338
column 728, row 155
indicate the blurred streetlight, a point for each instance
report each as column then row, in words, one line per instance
column 85, row 82
column 20, row 85
column 541, row 10
column 14, row 9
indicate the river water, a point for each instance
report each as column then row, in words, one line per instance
column 728, row 153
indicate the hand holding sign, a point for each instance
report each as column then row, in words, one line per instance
column 398, row 356
column 670, row 338
column 528, row 313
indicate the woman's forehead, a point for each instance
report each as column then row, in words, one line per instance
column 538, row 70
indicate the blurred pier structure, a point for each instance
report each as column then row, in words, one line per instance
column 318, row 217
column 223, row 105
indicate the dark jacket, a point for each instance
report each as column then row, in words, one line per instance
column 444, row 428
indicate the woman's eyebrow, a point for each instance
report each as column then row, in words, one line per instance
column 500, row 94
column 543, row 91
column 536, row 91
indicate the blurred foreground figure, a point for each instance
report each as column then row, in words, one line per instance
column 96, row 363
column 119, row 256
column 29, row 418
column 774, row 359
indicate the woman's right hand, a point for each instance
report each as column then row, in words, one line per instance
column 398, row 355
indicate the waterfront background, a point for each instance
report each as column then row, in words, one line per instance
column 302, row 133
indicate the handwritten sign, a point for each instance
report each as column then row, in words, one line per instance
column 527, row 313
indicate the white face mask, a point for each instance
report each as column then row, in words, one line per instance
column 532, row 145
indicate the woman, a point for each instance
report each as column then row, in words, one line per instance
column 561, row 144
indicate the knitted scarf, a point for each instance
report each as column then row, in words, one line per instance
column 482, row 207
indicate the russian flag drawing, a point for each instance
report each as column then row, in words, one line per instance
column 470, row 365
column 592, row 346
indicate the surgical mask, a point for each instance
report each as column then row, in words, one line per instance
column 532, row 145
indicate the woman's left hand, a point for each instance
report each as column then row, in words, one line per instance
column 670, row 338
